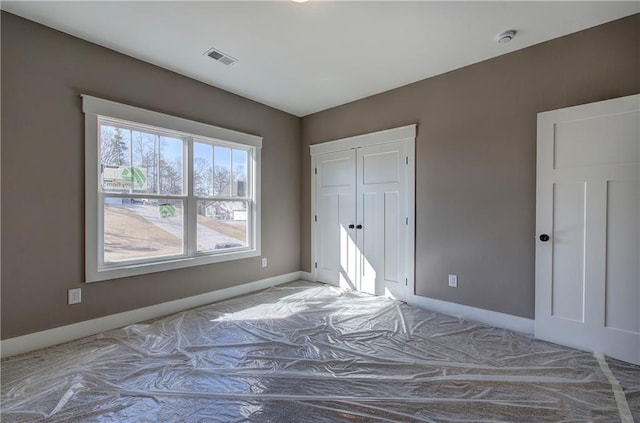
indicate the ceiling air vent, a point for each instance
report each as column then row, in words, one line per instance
column 221, row 57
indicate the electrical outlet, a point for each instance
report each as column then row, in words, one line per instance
column 453, row 281
column 74, row 296
column 264, row 262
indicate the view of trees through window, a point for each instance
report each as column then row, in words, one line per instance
column 143, row 176
column 158, row 160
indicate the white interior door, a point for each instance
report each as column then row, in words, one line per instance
column 335, row 217
column 588, row 204
column 381, row 218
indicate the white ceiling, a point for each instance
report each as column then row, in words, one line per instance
column 307, row 57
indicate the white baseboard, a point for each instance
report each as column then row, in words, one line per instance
column 491, row 318
column 307, row 276
column 46, row 338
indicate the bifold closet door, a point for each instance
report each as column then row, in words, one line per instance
column 335, row 217
column 381, row 211
column 361, row 218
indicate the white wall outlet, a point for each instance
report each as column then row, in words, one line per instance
column 453, row 281
column 264, row 262
column 74, row 296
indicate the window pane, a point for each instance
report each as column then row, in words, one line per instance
column 145, row 157
column 136, row 228
column 202, row 169
column 222, row 171
column 239, row 183
column 115, row 159
column 171, row 169
column 222, row 224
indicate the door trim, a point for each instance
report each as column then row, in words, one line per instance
column 403, row 133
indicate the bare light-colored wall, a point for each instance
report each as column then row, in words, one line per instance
column 476, row 156
column 43, row 74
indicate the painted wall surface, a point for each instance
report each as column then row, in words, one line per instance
column 43, row 74
column 475, row 192
column 476, row 156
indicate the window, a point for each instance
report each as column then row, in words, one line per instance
column 164, row 192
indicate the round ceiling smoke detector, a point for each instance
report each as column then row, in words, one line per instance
column 506, row 36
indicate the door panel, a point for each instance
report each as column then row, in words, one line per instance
column 369, row 241
column 379, row 168
column 336, row 254
column 588, row 201
column 392, row 236
column 336, row 171
column 579, row 143
column 382, row 191
column 328, row 255
column 568, row 251
column 622, row 288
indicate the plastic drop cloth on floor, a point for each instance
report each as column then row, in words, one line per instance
column 306, row 352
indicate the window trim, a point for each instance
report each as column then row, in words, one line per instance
column 95, row 108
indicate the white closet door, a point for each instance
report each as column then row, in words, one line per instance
column 588, row 224
column 336, row 253
column 381, row 211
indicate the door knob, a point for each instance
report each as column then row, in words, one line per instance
column 359, row 227
column 544, row 237
column 352, row 226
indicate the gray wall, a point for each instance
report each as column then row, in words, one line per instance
column 476, row 156
column 43, row 74
column 475, row 192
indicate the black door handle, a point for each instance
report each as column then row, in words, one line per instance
column 544, row 237
column 352, row 226
column 359, row 227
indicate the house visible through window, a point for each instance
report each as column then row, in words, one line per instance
column 160, row 197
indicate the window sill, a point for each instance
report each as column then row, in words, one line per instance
column 108, row 273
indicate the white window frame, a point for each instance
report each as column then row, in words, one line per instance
column 95, row 108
